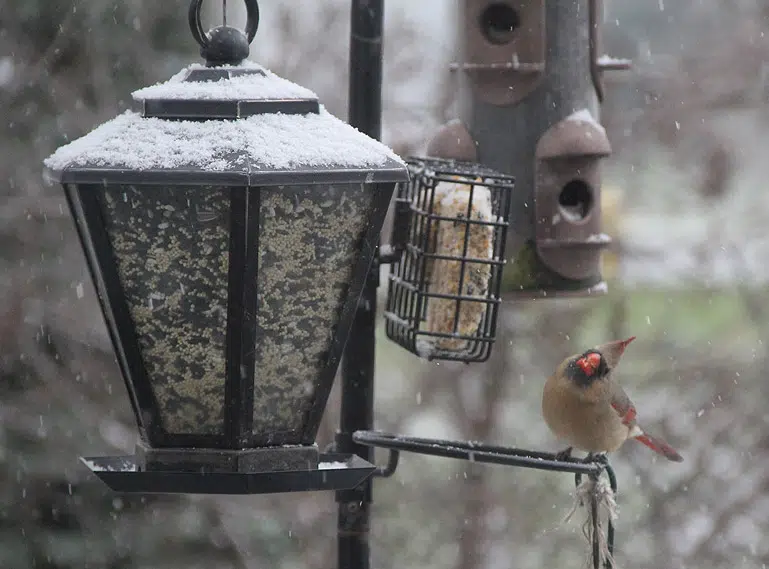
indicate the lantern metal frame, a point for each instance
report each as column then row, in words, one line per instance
column 126, row 473
column 84, row 200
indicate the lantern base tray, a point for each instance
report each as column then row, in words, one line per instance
column 335, row 472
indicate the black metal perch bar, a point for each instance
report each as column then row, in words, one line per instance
column 493, row 454
column 478, row 452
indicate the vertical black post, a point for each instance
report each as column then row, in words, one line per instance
column 365, row 110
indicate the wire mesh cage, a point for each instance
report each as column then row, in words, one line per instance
column 443, row 291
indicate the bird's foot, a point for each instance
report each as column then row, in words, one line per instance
column 599, row 457
column 564, row 455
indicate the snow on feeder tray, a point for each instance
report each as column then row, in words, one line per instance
column 443, row 290
column 228, row 228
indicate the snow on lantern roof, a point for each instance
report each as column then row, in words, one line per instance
column 224, row 92
column 275, row 132
column 261, row 149
column 246, row 81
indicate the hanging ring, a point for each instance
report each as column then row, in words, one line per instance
column 252, row 19
column 196, row 27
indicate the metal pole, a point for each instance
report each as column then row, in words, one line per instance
column 357, row 370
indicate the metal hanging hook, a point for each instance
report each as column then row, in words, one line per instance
column 196, row 26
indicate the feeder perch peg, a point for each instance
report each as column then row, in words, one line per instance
column 228, row 228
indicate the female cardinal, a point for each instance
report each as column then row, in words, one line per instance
column 583, row 404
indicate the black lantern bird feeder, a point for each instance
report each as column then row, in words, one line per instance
column 229, row 228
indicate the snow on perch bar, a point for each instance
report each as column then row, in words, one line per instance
column 449, row 238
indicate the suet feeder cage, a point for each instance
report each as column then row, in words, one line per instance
column 229, row 226
column 443, row 291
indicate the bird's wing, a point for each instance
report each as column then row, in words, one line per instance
column 623, row 405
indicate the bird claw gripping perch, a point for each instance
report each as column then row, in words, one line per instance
column 599, row 457
column 564, row 455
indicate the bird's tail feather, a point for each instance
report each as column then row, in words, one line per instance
column 659, row 446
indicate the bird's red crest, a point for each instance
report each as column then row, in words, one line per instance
column 589, row 363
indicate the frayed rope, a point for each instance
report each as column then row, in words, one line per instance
column 596, row 493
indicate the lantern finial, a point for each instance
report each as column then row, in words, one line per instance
column 224, row 45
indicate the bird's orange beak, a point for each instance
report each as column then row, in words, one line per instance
column 612, row 351
column 619, row 348
column 589, row 363
column 624, row 343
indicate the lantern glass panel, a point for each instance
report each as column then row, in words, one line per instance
column 310, row 239
column 171, row 246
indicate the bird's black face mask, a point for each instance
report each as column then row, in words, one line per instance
column 588, row 367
